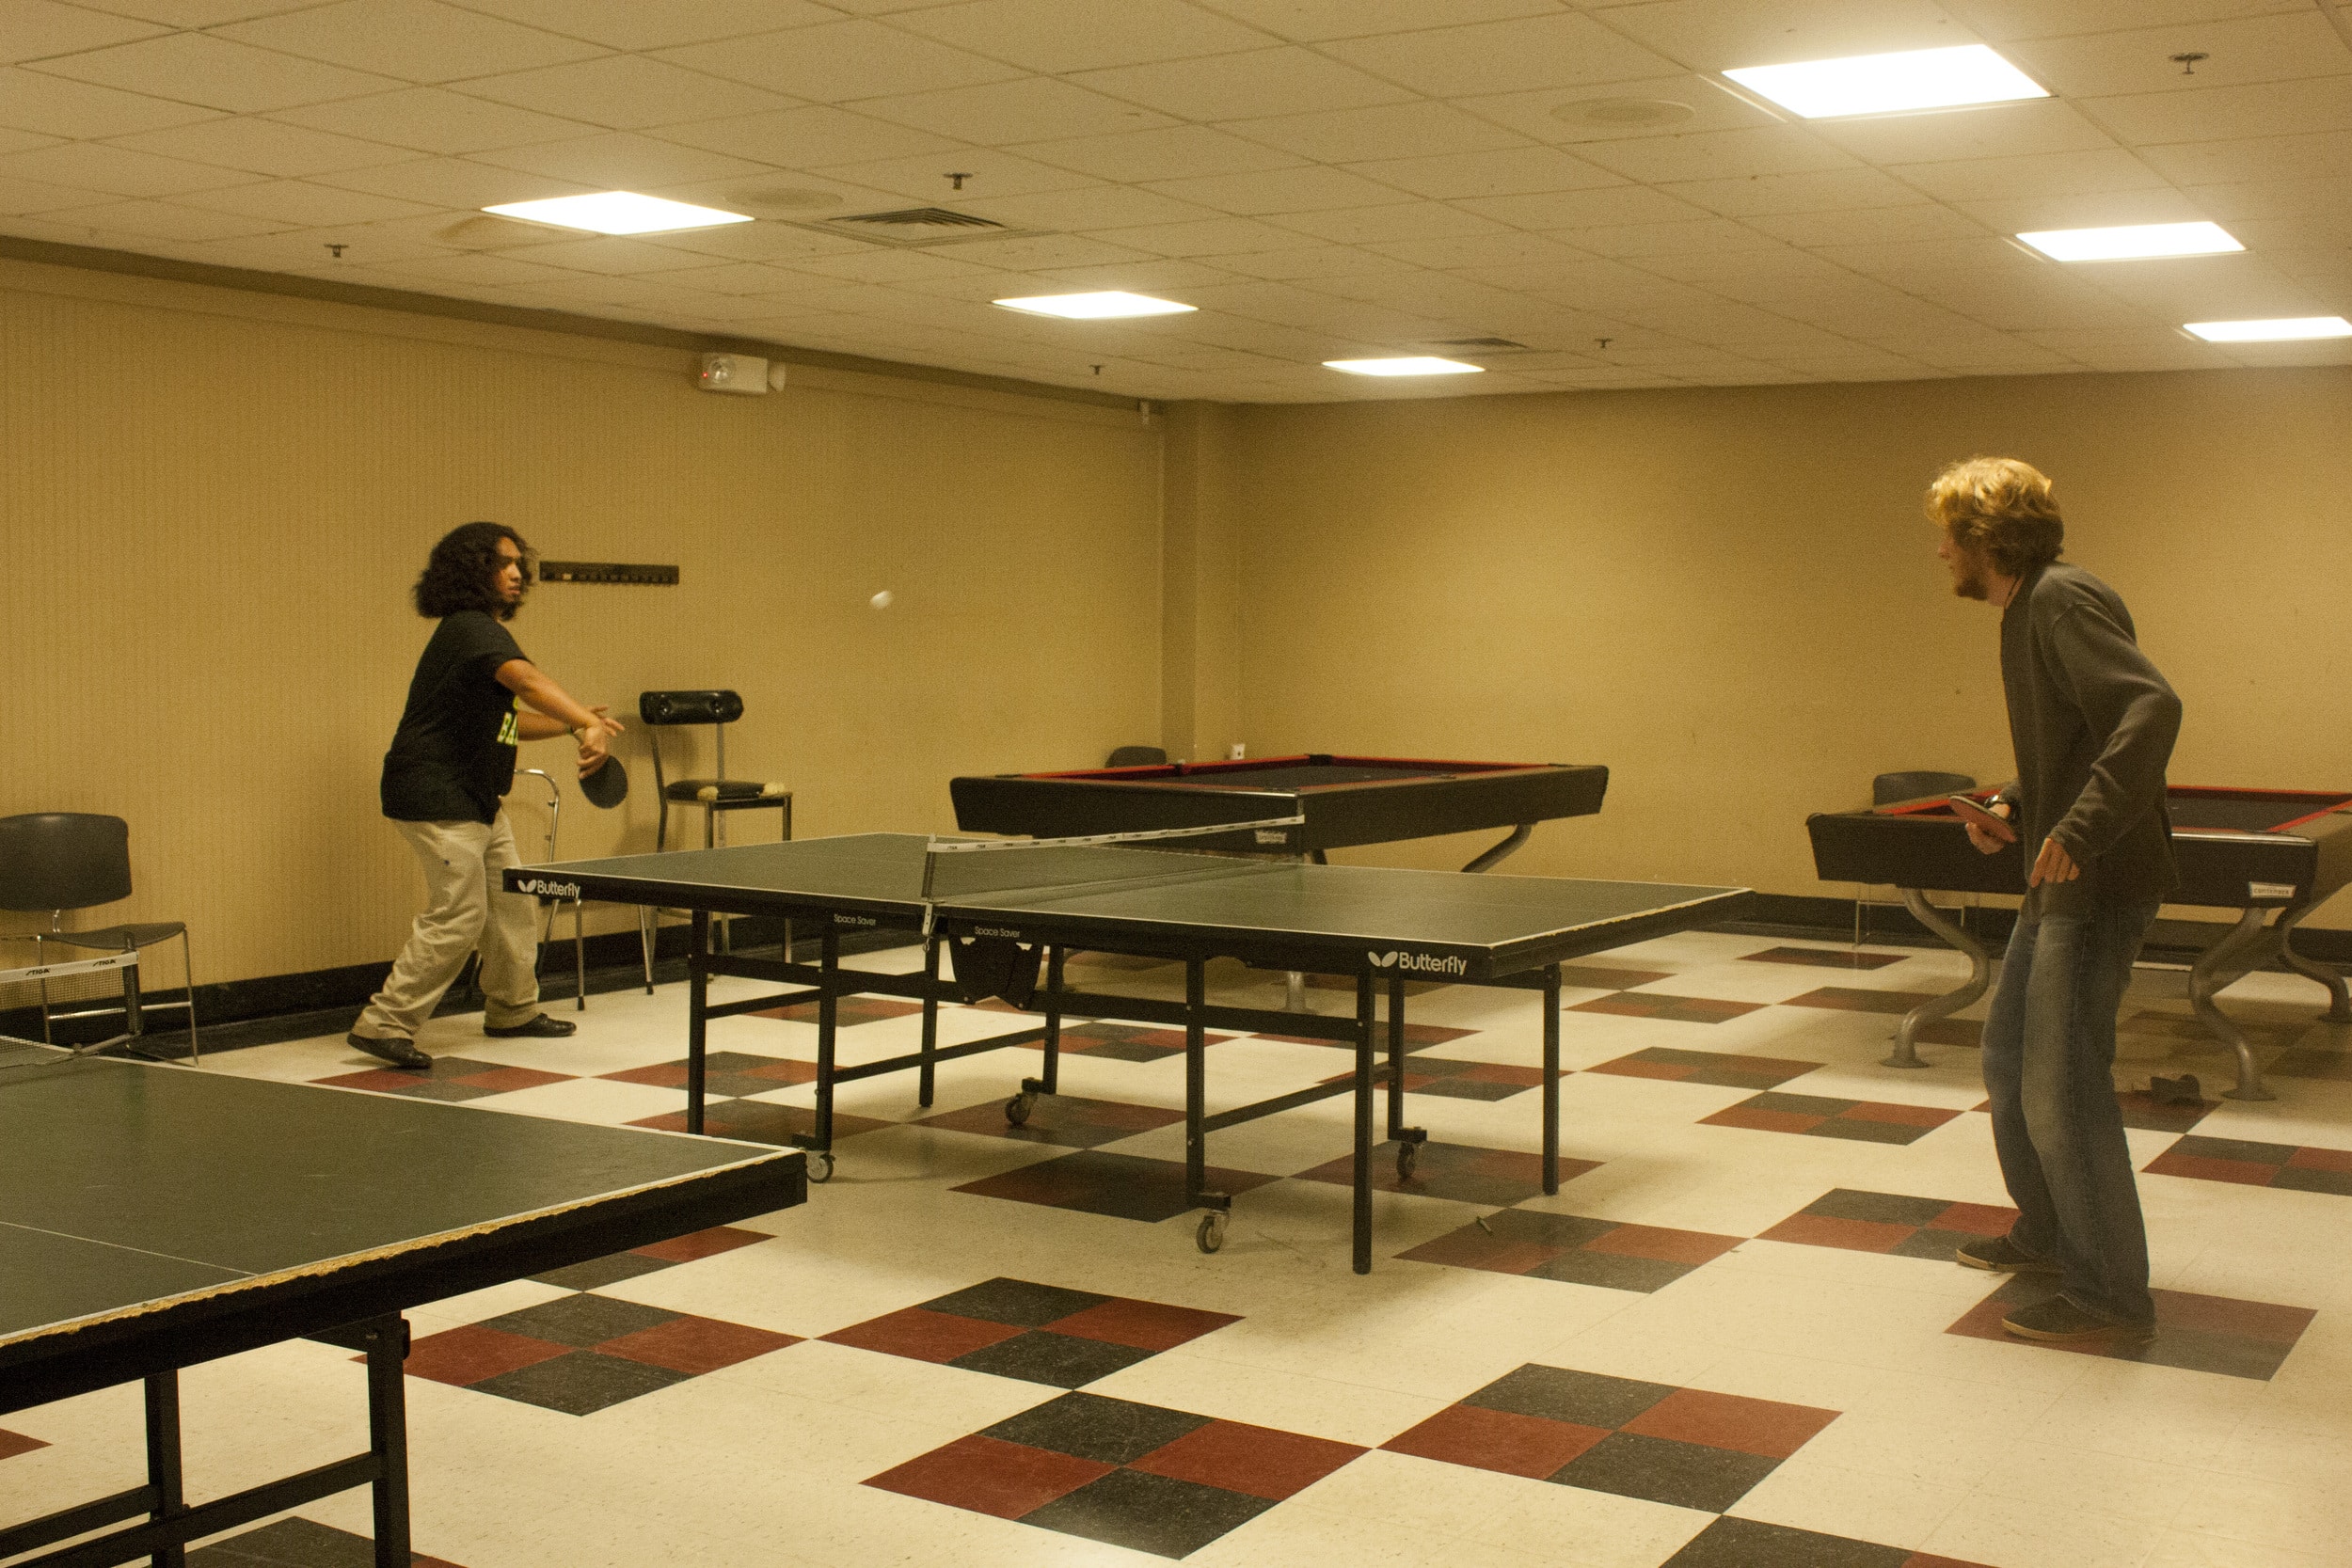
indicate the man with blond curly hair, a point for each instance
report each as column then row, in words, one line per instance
column 2092, row 723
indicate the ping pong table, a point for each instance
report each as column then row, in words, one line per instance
column 1003, row 910
column 155, row 1217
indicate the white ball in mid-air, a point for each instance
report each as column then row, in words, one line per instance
column 880, row 600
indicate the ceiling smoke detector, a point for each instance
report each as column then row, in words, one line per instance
column 1618, row 113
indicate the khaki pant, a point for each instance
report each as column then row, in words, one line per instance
column 462, row 861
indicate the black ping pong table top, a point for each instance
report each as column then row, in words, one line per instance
column 1436, row 924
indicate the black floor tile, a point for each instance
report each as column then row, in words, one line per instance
column 583, row 1320
column 600, row 1272
column 1472, row 1089
column 1057, row 1360
column 1149, row 1514
column 1845, row 1203
column 2300, row 1179
column 2202, row 1351
column 1660, row 1470
column 1088, row 1426
column 1016, row 1301
column 579, row 1383
column 1585, row 1398
column 1798, row 1105
column 1546, row 1229
column 1929, row 1241
column 288, row 1543
column 1748, row 1543
column 1862, row 1131
column 1612, row 1270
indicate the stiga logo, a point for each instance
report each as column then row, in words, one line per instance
column 1273, row 835
column 1418, row 963
column 543, row 888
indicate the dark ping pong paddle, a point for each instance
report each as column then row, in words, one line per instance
column 608, row 787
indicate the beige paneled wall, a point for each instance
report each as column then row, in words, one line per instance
column 214, row 504
column 1729, row 597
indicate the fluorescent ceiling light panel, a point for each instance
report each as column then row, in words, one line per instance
column 1107, row 305
column 1890, row 84
column 617, row 213
column 1409, row 365
column 2283, row 329
column 2133, row 241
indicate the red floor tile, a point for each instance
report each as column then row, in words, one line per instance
column 701, row 1244
column 1977, row 1219
column 923, row 1336
column 1902, row 1116
column 507, row 1078
column 661, row 1075
column 1255, row 1461
column 1628, row 1067
column 988, row 1476
column 1763, row 1121
column 1672, row 1246
column 1141, row 1325
column 695, row 1345
column 469, row 1354
column 2244, row 1172
column 2252, row 1320
column 1496, row 1440
column 1766, row 1428
column 14, row 1443
column 378, row 1080
column 2322, row 1159
column 1829, row 1231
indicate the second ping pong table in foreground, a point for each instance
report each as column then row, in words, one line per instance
column 1009, row 913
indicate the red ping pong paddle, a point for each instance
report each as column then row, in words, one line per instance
column 1973, row 810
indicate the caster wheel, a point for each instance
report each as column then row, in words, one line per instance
column 1407, row 1157
column 1017, row 1109
column 820, row 1167
column 1211, row 1235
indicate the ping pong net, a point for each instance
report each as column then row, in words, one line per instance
column 24, row 992
column 957, row 870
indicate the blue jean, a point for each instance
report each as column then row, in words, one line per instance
column 2049, row 1060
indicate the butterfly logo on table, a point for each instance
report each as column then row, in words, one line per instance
column 1420, row 964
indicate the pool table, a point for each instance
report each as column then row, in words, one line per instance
column 2273, row 855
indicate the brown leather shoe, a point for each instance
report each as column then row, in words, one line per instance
column 399, row 1052
column 540, row 1028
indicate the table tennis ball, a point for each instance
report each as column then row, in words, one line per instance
column 880, row 600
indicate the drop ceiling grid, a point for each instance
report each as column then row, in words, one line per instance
column 1325, row 178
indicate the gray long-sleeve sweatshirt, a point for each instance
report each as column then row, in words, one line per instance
column 2092, row 723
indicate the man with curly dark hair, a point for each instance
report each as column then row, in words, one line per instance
column 474, row 698
column 2092, row 723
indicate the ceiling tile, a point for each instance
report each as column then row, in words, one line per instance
column 39, row 28
column 1411, row 220
column 619, row 161
column 1718, row 155
column 1096, row 209
column 1165, row 278
column 842, row 60
column 1396, row 131
column 1504, row 171
column 625, row 92
column 1049, row 250
column 305, row 204
column 1482, row 250
column 1537, row 114
column 2138, row 59
column 1705, row 236
column 991, row 174
column 2326, row 155
column 1995, row 131
column 55, row 107
column 2130, row 349
column 1241, row 87
column 2046, row 174
column 25, row 141
column 1312, row 20
column 450, row 182
column 1171, row 152
column 1215, row 237
column 2271, row 199
column 1718, row 35
column 2041, row 304
column 197, row 68
column 2041, row 19
column 1825, row 191
column 1033, row 109
column 418, row 40
column 1616, row 204
column 635, row 25
column 1870, row 226
column 434, row 121
column 818, row 136
column 1981, row 255
column 1314, row 261
column 1061, row 36
column 35, row 196
column 1282, row 190
column 1525, row 54
column 2213, row 114
column 117, row 171
column 2090, row 210
column 763, row 241
column 168, row 220
column 192, row 13
column 609, row 254
column 265, row 147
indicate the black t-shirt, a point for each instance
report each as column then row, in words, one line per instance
column 453, row 755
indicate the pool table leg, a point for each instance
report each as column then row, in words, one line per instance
column 2338, row 996
column 2217, row 968
column 1979, row 975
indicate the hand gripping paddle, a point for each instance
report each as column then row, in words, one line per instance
column 608, row 787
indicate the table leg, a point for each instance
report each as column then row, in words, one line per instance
column 927, row 1075
column 1396, row 1057
column 1364, row 1078
column 2215, row 969
column 387, row 1436
column 1050, row 1080
column 1979, row 975
column 1552, row 1079
column 1196, row 1082
column 697, row 1013
column 828, row 1022
column 2338, row 996
column 163, row 1460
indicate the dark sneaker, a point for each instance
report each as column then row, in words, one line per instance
column 540, row 1028
column 2059, row 1322
column 2002, row 1256
column 398, row 1052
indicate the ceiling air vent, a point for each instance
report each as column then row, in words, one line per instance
column 916, row 225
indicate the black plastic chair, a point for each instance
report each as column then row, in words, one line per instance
column 1137, row 757
column 1913, row 784
column 59, row 861
column 718, row 797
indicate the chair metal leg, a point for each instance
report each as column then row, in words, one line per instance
column 646, row 926
column 40, row 955
column 187, row 964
